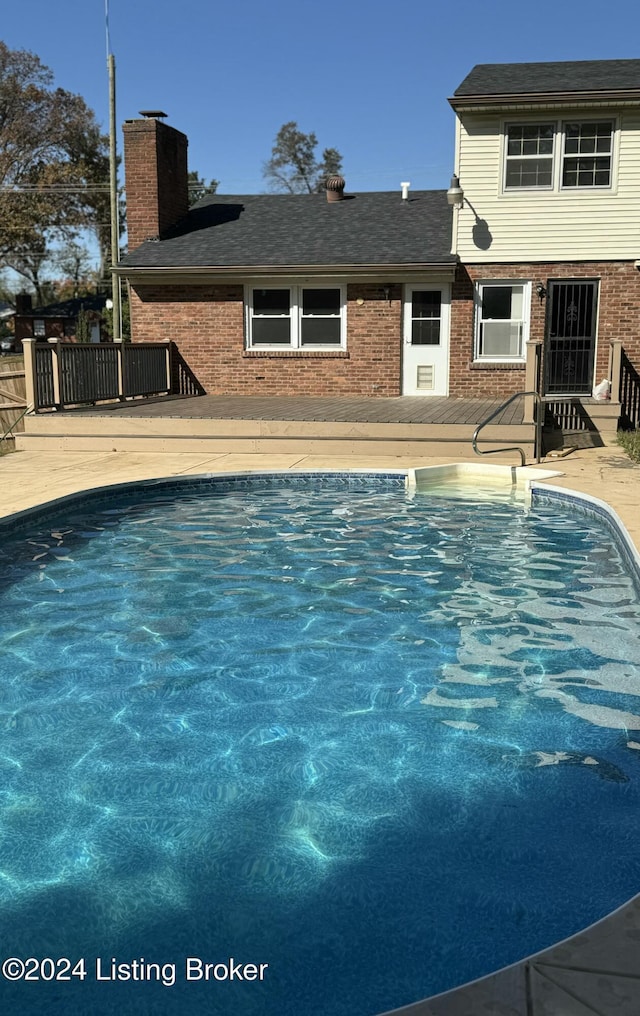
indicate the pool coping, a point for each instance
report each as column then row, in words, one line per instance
column 596, row 966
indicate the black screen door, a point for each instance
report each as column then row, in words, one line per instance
column 570, row 337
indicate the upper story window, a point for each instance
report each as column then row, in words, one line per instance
column 559, row 156
column 529, row 155
column 296, row 317
column 588, row 151
column 39, row 329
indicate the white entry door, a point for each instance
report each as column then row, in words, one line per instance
column 425, row 346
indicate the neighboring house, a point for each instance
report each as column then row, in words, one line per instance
column 58, row 320
column 385, row 294
column 7, row 338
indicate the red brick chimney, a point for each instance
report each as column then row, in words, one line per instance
column 155, row 167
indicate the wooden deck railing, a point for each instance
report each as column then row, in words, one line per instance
column 60, row 374
column 629, row 394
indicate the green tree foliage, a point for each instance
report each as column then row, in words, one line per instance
column 198, row 187
column 83, row 327
column 107, row 319
column 54, row 167
column 293, row 166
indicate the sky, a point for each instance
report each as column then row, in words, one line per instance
column 370, row 78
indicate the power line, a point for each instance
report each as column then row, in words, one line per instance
column 56, row 189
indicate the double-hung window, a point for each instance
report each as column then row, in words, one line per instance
column 502, row 314
column 296, row 317
column 559, row 156
column 529, row 156
column 588, row 154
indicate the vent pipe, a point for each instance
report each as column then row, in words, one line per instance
column 405, row 190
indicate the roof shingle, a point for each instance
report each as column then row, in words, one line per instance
column 566, row 76
column 305, row 230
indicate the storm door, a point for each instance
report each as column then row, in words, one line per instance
column 425, row 359
column 570, row 339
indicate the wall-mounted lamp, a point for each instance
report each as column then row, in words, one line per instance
column 541, row 291
column 455, row 194
column 386, row 289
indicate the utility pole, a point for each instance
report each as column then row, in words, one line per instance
column 113, row 190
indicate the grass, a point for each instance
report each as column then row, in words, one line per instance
column 630, row 441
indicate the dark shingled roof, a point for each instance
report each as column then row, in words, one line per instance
column 305, row 230
column 573, row 76
column 67, row 308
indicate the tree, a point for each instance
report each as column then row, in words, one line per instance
column 293, row 166
column 54, row 167
column 198, row 187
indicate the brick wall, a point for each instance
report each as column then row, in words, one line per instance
column 207, row 326
column 618, row 318
column 155, row 158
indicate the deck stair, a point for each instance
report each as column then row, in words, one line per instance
column 252, row 424
column 580, row 422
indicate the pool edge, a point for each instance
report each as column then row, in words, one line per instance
column 510, row 985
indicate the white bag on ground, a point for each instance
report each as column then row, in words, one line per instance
column 602, row 391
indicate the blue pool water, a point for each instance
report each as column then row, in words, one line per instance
column 383, row 744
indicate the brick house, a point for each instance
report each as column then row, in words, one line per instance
column 546, row 229
column 58, row 320
column 397, row 293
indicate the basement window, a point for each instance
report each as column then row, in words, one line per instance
column 296, row 317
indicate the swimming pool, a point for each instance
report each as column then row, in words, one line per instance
column 382, row 742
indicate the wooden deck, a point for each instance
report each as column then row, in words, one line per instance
column 404, row 410
column 340, row 427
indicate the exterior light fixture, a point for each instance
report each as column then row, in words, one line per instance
column 541, row 291
column 455, row 194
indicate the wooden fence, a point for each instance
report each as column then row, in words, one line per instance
column 13, row 399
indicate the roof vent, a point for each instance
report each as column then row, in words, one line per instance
column 335, row 188
column 405, row 190
column 152, row 114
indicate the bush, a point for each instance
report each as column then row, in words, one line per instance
column 630, row 441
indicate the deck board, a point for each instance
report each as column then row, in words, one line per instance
column 405, row 409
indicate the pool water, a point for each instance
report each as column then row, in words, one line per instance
column 382, row 743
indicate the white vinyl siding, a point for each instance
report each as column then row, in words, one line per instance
column 524, row 225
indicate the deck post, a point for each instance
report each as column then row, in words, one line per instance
column 119, row 353
column 531, row 378
column 615, row 368
column 55, row 349
column 168, row 366
column 30, row 376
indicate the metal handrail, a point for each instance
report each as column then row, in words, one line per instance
column 496, row 412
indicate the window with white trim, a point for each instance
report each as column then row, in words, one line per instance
column 559, row 156
column 296, row 317
column 587, row 154
column 502, row 320
column 529, row 155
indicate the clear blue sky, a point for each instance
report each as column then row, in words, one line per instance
column 370, row 78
